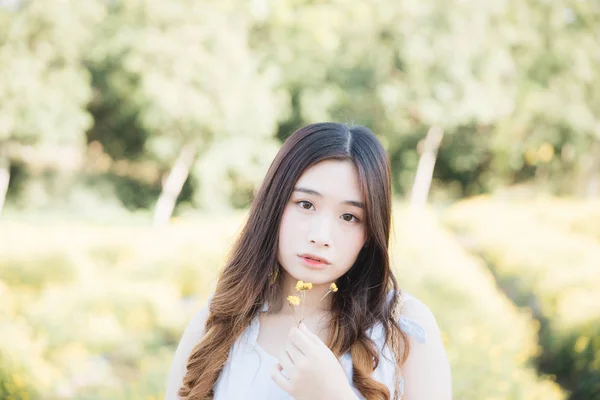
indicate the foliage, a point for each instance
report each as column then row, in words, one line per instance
column 488, row 340
column 108, row 328
column 550, row 270
column 513, row 84
column 180, row 73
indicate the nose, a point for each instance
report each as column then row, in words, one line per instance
column 320, row 232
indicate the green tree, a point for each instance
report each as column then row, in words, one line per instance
column 43, row 85
column 491, row 77
column 553, row 134
column 184, row 70
column 402, row 69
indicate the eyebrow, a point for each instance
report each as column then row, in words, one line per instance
column 315, row 193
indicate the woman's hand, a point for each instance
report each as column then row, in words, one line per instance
column 314, row 371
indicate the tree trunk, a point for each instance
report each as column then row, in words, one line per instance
column 592, row 184
column 587, row 175
column 4, row 178
column 173, row 184
column 430, row 146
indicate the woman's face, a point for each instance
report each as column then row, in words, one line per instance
column 323, row 218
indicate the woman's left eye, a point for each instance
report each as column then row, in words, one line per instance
column 349, row 217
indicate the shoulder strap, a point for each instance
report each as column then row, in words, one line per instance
column 409, row 325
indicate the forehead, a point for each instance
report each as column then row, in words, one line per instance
column 333, row 178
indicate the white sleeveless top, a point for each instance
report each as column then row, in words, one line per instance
column 246, row 374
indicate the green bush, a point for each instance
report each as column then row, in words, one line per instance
column 550, row 269
column 108, row 322
column 577, row 216
column 24, row 374
column 110, row 330
column 489, row 341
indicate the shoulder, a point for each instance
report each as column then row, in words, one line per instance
column 192, row 335
column 418, row 318
column 427, row 360
column 412, row 315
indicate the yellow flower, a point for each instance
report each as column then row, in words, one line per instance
column 301, row 285
column 333, row 287
column 293, row 300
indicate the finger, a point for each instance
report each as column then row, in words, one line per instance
column 279, row 379
column 301, row 340
column 294, row 352
column 303, row 328
column 287, row 363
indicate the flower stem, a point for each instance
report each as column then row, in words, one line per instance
column 329, row 291
column 294, row 311
column 303, row 305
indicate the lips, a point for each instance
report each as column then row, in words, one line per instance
column 315, row 258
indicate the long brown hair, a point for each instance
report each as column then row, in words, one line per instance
column 362, row 299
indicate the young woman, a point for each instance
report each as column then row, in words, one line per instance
column 322, row 215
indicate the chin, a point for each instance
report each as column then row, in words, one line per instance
column 314, row 277
column 301, row 274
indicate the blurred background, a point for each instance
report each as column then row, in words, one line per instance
column 133, row 134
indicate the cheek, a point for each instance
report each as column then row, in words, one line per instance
column 289, row 229
column 353, row 241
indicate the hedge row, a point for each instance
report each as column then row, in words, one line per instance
column 489, row 341
column 101, row 309
column 578, row 216
column 554, row 271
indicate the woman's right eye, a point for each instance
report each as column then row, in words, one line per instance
column 307, row 205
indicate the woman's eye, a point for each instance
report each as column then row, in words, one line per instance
column 349, row 217
column 307, row 205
